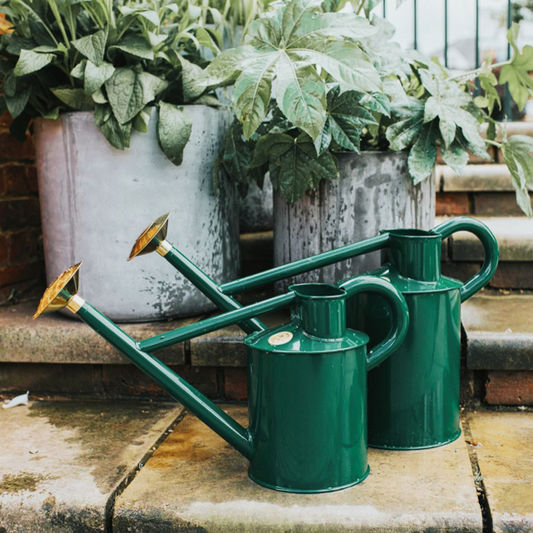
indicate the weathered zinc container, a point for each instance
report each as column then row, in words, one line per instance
column 96, row 200
column 374, row 192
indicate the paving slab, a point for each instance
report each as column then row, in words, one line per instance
column 514, row 236
column 196, row 482
column 499, row 331
column 62, row 462
column 505, row 456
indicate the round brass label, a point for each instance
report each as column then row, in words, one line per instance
column 280, row 338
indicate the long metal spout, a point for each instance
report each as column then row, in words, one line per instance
column 62, row 293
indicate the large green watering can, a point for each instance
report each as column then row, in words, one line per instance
column 306, row 379
column 414, row 396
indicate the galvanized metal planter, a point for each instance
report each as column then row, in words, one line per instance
column 257, row 208
column 374, row 191
column 95, row 200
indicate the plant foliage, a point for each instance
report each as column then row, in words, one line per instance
column 120, row 59
column 309, row 83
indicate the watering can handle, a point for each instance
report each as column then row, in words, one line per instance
column 400, row 314
column 490, row 246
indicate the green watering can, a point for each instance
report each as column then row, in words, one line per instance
column 413, row 397
column 307, row 427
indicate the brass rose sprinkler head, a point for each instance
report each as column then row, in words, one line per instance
column 153, row 239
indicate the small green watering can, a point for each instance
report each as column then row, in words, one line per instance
column 306, row 379
column 414, row 396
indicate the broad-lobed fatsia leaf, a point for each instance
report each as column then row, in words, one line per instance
column 516, row 74
column 30, row 61
column 284, row 51
column 173, row 131
column 455, row 156
column 129, row 91
column 403, row 133
column 92, row 46
column 518, row 155
column 423, row 154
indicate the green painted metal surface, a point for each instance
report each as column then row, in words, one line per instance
column 306, row 381
column 413, row 398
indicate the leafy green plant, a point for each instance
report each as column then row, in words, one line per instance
column 121, row 59
column 310, row 83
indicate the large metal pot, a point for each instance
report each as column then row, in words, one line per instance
column 95, row 200
column 374, row 192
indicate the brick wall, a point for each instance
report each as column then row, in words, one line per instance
column 21, row 264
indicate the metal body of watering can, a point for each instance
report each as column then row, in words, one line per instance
column 413, row 400
column 307, row 380
column 413, row 397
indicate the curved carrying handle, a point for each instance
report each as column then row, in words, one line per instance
column 400, row 314
column 490, row 245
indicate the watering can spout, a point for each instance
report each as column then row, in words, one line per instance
column 63, row 293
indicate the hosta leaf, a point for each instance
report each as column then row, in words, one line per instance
column 96, row 76
column 518, row 155
column 92, row 46
column 16, row 94
column 117, row 134
column 78, row 71
column 423, row 154
column 136, row 46
column 189, row 75
column 30, row 62
column 173, row 131
column 75, row 98
column 455, row 156
column 516, row 74
column 301, row 96
column 129, row 92
column 53, row 114
column 403, row 133
column 251, row 94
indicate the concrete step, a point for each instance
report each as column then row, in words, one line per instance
column 63, row 463
column 196, row 482
column 474, row 178
column 514, row 236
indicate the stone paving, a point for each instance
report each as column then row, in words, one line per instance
column 74, row 467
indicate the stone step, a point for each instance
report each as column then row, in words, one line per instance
column 474, row 178
column 196, row 482
column 63, row 463
column 514, row 236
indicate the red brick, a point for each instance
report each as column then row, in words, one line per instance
column 15, row 182
column 513, row 275
column 14, row 274
column 4, row 247
column 19, row 213
column 509, row 388
column 32, row 179
column 235, row 384
column 128, row 380
column 12, row 150
column 25, row 246
column 496, row 204
column 452, row 203
column 5, row 119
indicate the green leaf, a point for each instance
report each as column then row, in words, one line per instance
column 323, row 141
column 16, row 94
column 136, row 46
column 92, row 46
column 455, row 156
column 141, row 120
column 251, row 94
column 75, row 98
column 423, row 154
column 78, row 71
column 96, row 76
column 518, row 156
column 118, row 135
column 516, row 74
column 130, row 91
column 173, row 131
column 30, row 62
column 403, row 133
column 470, row 129
column 301, row 96
column 190, row 73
